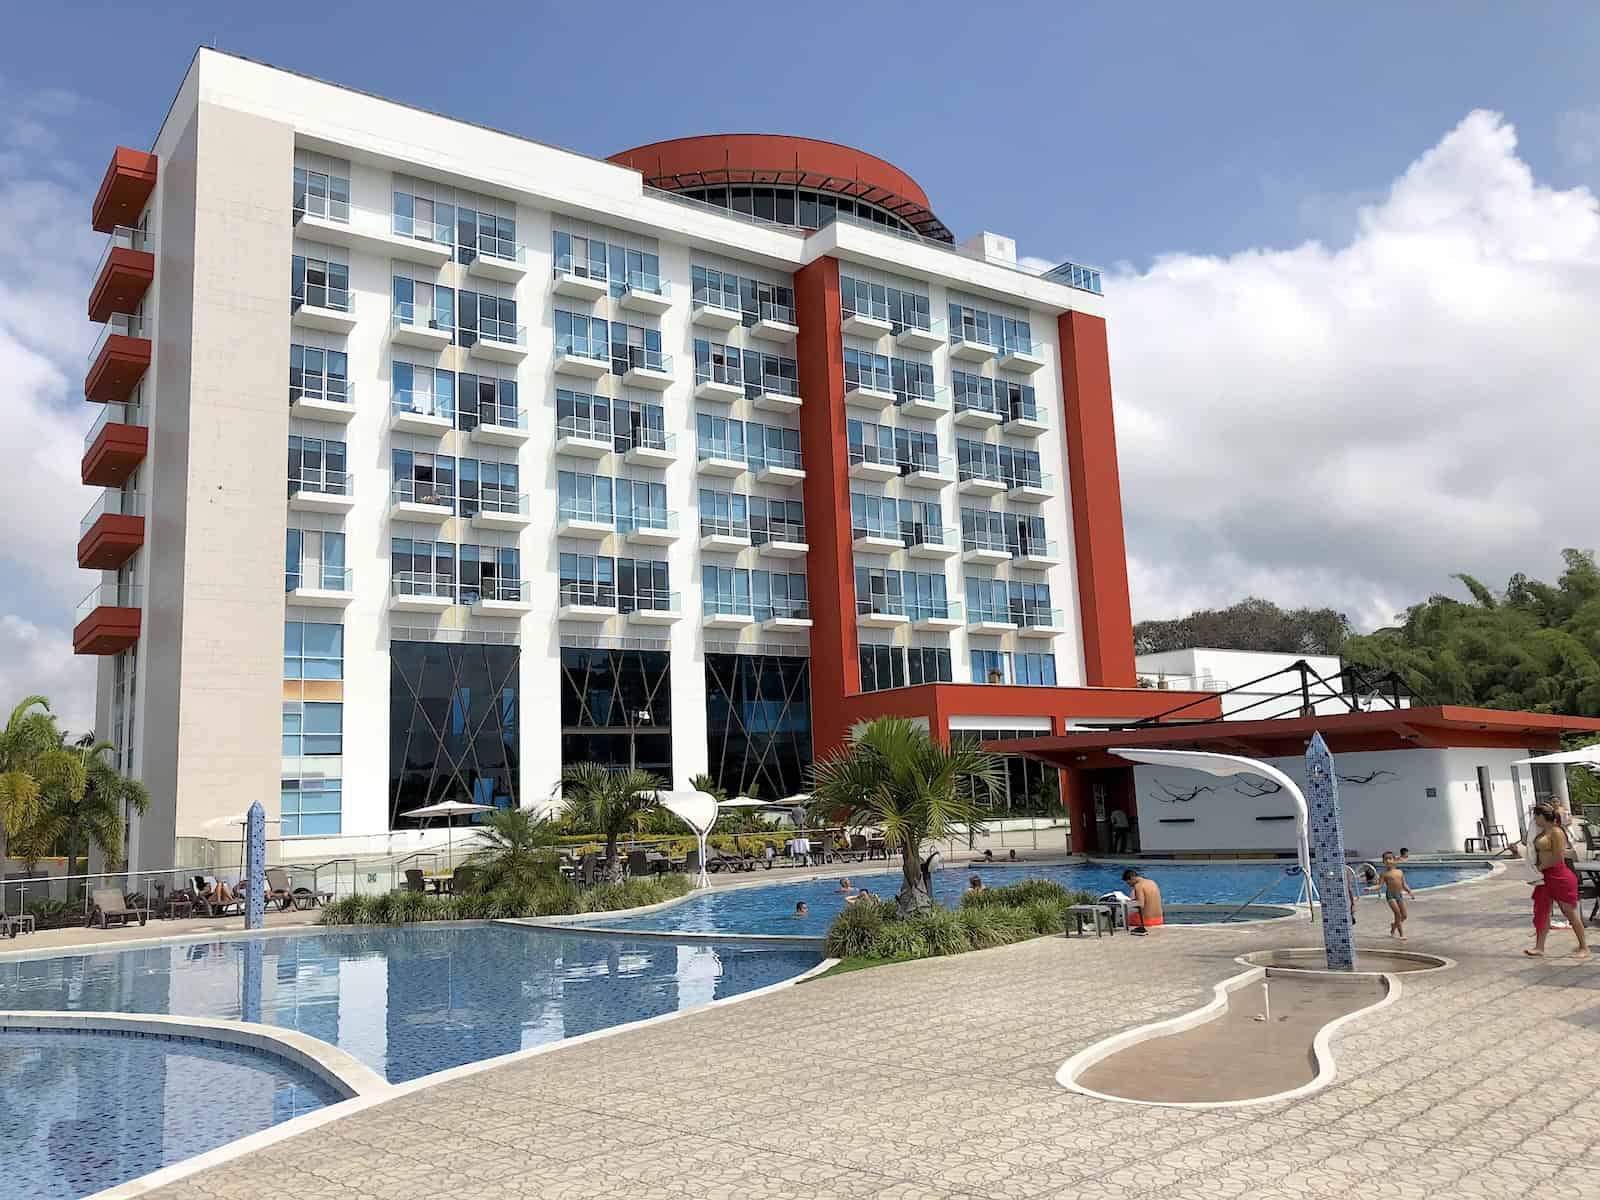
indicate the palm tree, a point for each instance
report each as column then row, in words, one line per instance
column 516, row 850
column 81, row 793
column 609, row 802
column 27, row 736
column 894, row 777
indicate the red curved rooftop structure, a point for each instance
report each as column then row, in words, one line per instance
column 714, row 160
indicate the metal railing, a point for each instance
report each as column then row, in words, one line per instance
column 585, row 510
column 417, row 403
column 501, row 333
column 333, row 390
column 950, row 610
column 330, row 579
column 321, row 295
column 724, row 527
column 112, row 594
column 409, row 491
column 582, row 268
column 583, row 347
column 587, row 595
column 588, row 429
column 656, row 520
column 121, row 325
column 405, row 315
column 790, row 532
column 424, row 584
column 113, row 412
column 112, row 502
column 322, row 480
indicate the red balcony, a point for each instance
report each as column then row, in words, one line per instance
column 111, row 531
column 125, row 190
column 124, row 275
column 115, row 446
column 119, row 359
column 108, row 619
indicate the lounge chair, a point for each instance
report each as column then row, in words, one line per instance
column 108, row 904
column 278, row 891
column 639, row 864
column 588, row 872
column 209, row 908
column 301, row 897
column 414, row 880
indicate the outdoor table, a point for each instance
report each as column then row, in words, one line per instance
column 438, row 880
column 1079, row 913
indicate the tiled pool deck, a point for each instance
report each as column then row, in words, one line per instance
column 937, row 1079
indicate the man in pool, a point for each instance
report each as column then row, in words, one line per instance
column 974, row 883
column 1148, row 897
column 800, row 910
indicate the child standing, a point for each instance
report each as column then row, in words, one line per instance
column 1395, row 890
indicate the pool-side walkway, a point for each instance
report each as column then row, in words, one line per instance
column 937, row 1079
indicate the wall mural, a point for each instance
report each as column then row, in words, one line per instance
column 1254, row 788
column 1173, row 797
column 1362, row 780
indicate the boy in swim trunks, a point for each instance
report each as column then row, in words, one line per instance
column 1395, row 890
column 1148, row 897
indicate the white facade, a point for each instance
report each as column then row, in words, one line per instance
column 210, row 693
column 1203, row 669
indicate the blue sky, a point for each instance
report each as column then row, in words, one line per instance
column 1353, row 254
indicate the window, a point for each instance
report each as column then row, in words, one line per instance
column 717, row 363
column 882, row 667
column 317, row 283
column 775, row 373
column 424, row 391
column 420, row 568
column 422, row 478
column 491, row 573
column 976, row 393
column 727, row 590
column 318, row 374
column 874, row 516
column 588, row 579
column 1028, row 603
column 580, row 335
column 758, row 722
column 1016, row 400
column 583, row 497
column 315, row 559
column 775, row 594
column 725, row 514
column 988, row 666
column 987, row 600
column 578, row 414
column 1018, row 468
column 317, row 465
column 486, row 400
column 492, row 318
column 762, row 301
column 312, row 728
column 925, row 595
column 423, row 219
column 424, row 305
column 633, row 346
column 879, row 590
column 616, row 709
column 714, row 288
column 485, row 233
column 313, row 650
column 870, row 443
column 636, row 269
column 580, row 256
column 319, row 192
column 637, row 424
column 868, row 371
column 1005, row 333
column 911, row 380
column 641, row 504
column 310, row 806
column 979, row 460
column 643, row 585
column 777, row 520
column 916, row 450
column 1024, row 534
column 1034, row 670
column 900, row 306
column 489, row 487
column 928, row 664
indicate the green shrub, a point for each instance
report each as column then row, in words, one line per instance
column 519, row 898
column 989, row 925
column 341, row 912
column 633, row 893
column 942, row 930
column 855, row 929
column 899, row 939
column 1045, row 916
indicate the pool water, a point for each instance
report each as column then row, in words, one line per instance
column 84, row 1111
column 771, row 909
column 409, row 1001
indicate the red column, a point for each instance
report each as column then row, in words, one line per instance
column 830, row 565
column 1101, row 554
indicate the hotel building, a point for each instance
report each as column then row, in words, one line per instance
column 432, row 458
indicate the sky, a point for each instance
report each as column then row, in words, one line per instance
column 1353, row 257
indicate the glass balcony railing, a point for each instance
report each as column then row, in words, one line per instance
column 927, row 397
column 503, row 416
column 1023, row 412
column 501, row 333
column 121, row 324
column 873, row 454
column 589, row 429
column 933, row 535
column 423, row 584
column 989, row 614
column 409, row 316
column 975, row 338
column 422, row 404
column 501, row 591
column 124, row 237
column 734, row 527
column 1034, row 549
column 583, row 268
column 111, row 594
column 868, row 381
column 323, row 388
column 495, row 500
column 783, row 610
column 944, row 468
column 770, row 310
column 933, row 610
column 708, row 448
column 647, row 437
column 880, row 606
column 322, row 204
column 497, row 249
column 323, row 577
column 587, row 511
column 1032, row 617
column 875, row 527
column 864, row 306
column 577, row 346
column 645, row 284
column 791, row 532
column 985, row 539
column 422, row 229
column 767, row 456
column 113, row 502
column 977, row 469
column 921, row 323
column 977, row 402
column 1036, row 480
column 415, row 491
column 113, row 413
column 705, row 297
column 730, row 376
column 640, row 358
column 1020, row 345
column 653, row 602
column 728, row 606
column 650, row 521
column 323, row 481
column 772, row 385
column 321, row 295
column 588, row 595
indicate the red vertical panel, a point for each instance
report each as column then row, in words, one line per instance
column 830, row 568
column 1096, row 502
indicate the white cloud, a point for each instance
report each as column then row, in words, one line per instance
column 1349, row 425
column 39, row 661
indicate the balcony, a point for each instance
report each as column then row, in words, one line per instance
column 380, row 232
column 931, row 403
column 124, row 190
column 976, row 481
column 1023, row 357
column 931, row 473
column 423, row 502
column 780, row 467
column 108, row 618
column 720, row 387
column 936, row 618
column 323, row 307
column 985, row 549
column 1041, row 623
column 584, row 520
column 990, row 621
column 1030, row 489
column 499, row 598
column 501, row 510
column 500, row 341
column 777, row 395
column 651, row 448
column 120, row 357
column 586, row 602
column 649, row 528
column 882, row 612
column 919, row 337
column 335, row 404
column 408, row 327
column 324, row 587
column 497, row 259
column 578, row 357
column 722, row 460
column 111, row 530
column 724, row 534
column 648, row 369
column 656, row 608
column 583, row 437
column 322, row 492
column 723, row 612
column 783, row 539
column 971, row 349
column 646, row 294
column 123, row 275
column 580, row 279
column 878, row 539
column 867, row 323
column 1037, row 556
column 421, row 592
column 414, row 412
column 715, row 310
column 500, row 425
column 870, row 396
column 1025, row 423
column 115, row 445
column 784, row 615
column 775, row 323
column 971, row 411
column 930, row 541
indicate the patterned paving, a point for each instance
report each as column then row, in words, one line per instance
column 936, row 1079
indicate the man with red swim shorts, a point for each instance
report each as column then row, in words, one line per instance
column 1148, row 897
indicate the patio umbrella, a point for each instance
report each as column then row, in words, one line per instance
column 449, row 810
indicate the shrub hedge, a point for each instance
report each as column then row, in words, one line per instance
column 556, row 897
column 994, row 917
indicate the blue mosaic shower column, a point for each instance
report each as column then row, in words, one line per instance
column 1327, row 855
column 254, row 964
column 255, row 867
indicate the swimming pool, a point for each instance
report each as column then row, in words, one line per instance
column 770, row 909
column 71, row 1101
column 409, row 1001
